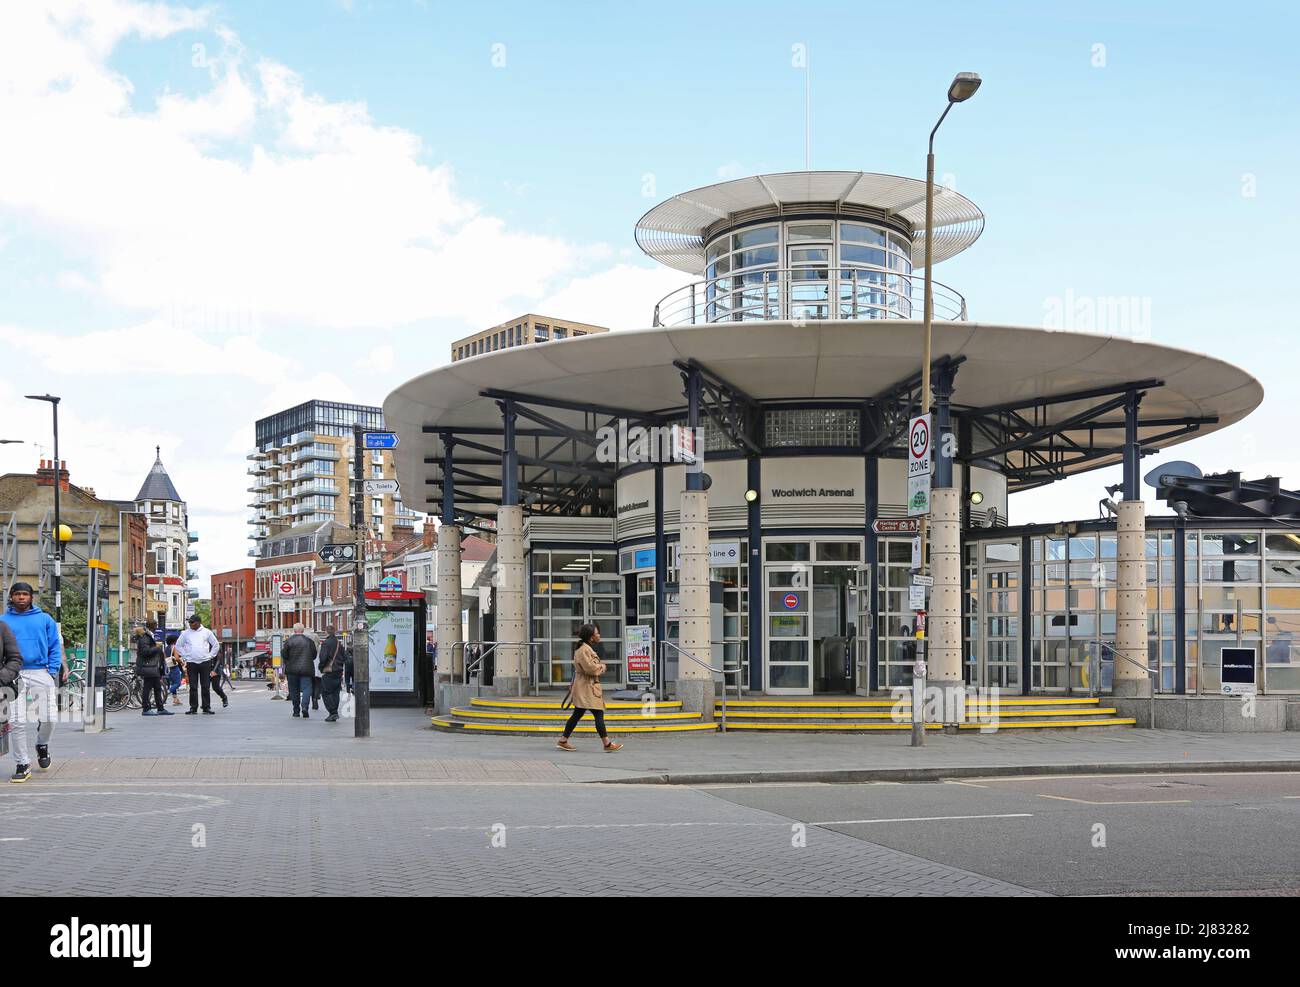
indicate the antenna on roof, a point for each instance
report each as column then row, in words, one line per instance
column 807, row 113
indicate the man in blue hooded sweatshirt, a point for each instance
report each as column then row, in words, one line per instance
column 38, row 640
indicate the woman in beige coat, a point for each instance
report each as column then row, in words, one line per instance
column 585, row 691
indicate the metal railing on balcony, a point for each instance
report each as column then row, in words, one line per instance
column 786, row 294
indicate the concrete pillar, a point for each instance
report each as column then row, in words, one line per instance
column 511, row 677
column 943, row 624
column 1131, row 601
column 694, row 681
column 451, row 657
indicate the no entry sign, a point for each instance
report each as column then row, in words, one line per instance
column 791, row 600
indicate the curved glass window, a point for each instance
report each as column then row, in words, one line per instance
column 809, row 269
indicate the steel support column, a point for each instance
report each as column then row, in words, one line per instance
column 754, row 526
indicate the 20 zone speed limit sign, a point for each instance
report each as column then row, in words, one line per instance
column 918, row 445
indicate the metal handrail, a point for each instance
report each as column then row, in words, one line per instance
column 1094, row 685
column 772, row 293
column 724, row 671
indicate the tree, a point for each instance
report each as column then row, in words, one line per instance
column 203, row 608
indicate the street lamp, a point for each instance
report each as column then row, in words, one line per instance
column 58, row 524
column 962, row 88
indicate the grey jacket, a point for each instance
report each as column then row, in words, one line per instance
column 299, row 654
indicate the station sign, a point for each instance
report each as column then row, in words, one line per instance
column 724, row 553
column 1238, row 672
column 285, row 588
column 380, row 440
column 790, row 601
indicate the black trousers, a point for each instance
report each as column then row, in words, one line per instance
column 148, row 684
column 315, row 692
column 199, row 674
column 596, row 714
column 330, row 685
column 216, row 685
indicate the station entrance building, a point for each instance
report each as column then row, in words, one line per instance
column 782, row 563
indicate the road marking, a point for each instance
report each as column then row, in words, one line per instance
column 13, row 839
column 707, row 825
column 859, row 822
column 968, row 784
column 1062, row 798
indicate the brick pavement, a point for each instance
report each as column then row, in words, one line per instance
column 257, row 732
column 338, row 839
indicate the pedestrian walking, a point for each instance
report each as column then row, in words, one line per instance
column 37, row 637
column 175, row 668
column 151, row 665
column 585, row 692
column 331, row 663
column 198, row 647
column 299, row 655
column 216, row 675
column 348, row 668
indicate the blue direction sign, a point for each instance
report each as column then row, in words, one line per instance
column 381, row 440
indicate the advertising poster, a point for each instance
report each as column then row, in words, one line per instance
column 392, row 650
column 637, row 644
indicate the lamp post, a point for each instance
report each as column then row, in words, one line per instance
column 58, row 523
column 962, row 88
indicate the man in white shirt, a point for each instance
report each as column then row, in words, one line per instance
column 198, row 646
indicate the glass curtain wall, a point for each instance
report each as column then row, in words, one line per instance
column 808, row 270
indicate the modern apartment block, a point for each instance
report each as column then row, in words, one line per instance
column 520, row 332
column 301, row 470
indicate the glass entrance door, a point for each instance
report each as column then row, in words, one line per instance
column 789, row 644
column 813, row 619
column 809, row 248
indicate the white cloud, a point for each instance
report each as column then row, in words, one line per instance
column 152, row 348
column 255, row 196
column 380, row 359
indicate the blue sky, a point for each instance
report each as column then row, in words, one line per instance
column 531, row 137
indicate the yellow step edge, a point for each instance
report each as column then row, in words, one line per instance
column 557, row 730
column 1022, row 725
column 525, row 704
column 731, row 725
column 864, row 703
column 560, row 717
column 1093, row 711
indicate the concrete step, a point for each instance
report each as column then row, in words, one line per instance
column 834, row 717
column 800, row 726
column 585, row 728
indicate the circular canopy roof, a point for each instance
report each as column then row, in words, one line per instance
column 633, row 370
column 673, row 232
